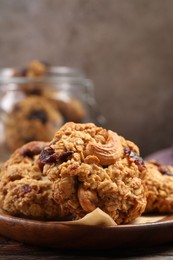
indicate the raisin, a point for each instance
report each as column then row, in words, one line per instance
column 38, row 115
column 163, row 169
column 63, row 157
column 35, row 91
column 49, row 156
column 135, row 157
column 26, row 188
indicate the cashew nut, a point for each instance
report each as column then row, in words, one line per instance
column 87, row 198
column 106, row 153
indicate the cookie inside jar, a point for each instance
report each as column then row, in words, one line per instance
column 38, row 99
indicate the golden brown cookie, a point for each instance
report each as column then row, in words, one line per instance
column 159, row 181
column 93, row 167
column 82, row 168
column 24, row 190
column 72, row 109
column 33, row 118
column 34, row 70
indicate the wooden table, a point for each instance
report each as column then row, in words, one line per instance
column 13, row 250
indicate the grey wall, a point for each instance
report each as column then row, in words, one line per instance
column 125, row 46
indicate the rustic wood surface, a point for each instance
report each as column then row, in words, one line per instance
column 13, row 250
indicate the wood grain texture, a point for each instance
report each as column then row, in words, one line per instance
column 13, row 250
column 69, row 236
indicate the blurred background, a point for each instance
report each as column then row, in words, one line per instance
column 125, row 47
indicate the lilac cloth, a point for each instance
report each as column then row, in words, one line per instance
column 164, row 156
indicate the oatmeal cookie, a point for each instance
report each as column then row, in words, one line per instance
column 33, row 118
column 93, row 167
column 34, row 70
column 72, row 110
column 24, row 190
column 159, row 181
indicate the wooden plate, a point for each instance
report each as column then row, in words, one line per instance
column 66, row 235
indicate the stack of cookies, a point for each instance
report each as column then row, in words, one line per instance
column 82, row 168
column 41, row 106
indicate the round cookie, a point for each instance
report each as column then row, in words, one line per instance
column 35, row 69
column 72, row 110
column 24, row 190
column 33, row 118
column 93, row 167
column 159, row 182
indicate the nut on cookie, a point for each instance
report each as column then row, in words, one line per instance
column 82, row 168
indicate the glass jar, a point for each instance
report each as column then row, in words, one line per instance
column 34, row 108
